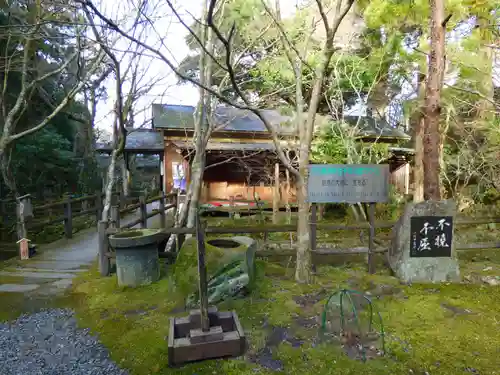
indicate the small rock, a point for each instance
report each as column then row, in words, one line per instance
column 490, row 280
column 487, row 269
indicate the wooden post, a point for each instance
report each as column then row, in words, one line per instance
column 313, row 222
column 371, row 238
column 163, row 214
column 202, row 275
column 68, row 218
column 143, row 211
column 85, row 205
column 276, row 193
column 313, row 231
column 321, row 211
column 24, row 250
column 98, row 205
column 231, row 206
column 104, row 264
column 24, row 210
column 115, row 216
column 287, row 198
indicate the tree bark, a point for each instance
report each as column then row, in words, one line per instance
column 435, row 75
column 125, row 176
column 201, row 134
column 418, row 135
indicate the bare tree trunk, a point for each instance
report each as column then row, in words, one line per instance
column 8, row 178
column 125, row 176
column 110, row 182
column 435, row 75
column 197, row 168
column 201, row 132
column 303, row 265
column 418, row 135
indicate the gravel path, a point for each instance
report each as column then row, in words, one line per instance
column 49, row 343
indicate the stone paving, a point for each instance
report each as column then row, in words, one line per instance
column 54, row 266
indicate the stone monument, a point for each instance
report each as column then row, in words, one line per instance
column 422, row 248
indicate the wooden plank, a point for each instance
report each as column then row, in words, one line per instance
column 132, row 223
column 84, row 212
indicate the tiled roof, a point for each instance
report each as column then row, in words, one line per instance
column 138, row 140
column 168, row 116
column 140, row 162
column 221, row 146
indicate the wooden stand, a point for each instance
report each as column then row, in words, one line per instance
column 205, row 333
column 187, row 341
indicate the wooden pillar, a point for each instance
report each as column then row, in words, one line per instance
column 202, row 275
column 371, row 238
column 143, row 211
column 287, row 197
column 163, row 214
column 115, row 216
column 68, row 218
column 104, row 263
column 276, row 193
column 407, row 178
column 314, row 234
column 24, row 211
column 98, row 205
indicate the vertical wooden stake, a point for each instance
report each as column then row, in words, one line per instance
column 104, row 264
column 321, row 211
column 202, row 275
column 371, row 238
column 144, row 211
column 68, row 218
column 163, row 215
column 98, row 205
column 115, row 216
column 276, row 193
column 314, row 219
column 231, row 206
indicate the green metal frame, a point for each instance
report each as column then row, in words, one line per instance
column 347, row 293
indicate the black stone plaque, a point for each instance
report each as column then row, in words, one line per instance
column 431, row 236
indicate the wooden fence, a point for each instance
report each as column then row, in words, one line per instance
column 66, row 210
column 374, row 247
column 166, row 202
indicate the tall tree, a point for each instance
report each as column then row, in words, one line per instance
column 433, row 139
column 34, row 65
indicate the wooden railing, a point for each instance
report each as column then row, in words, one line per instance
column 67, row 209
column 166, row 202
column 374, row 246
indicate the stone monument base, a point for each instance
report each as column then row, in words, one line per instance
column 424, row 269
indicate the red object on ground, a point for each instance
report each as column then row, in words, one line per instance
column 227, row 203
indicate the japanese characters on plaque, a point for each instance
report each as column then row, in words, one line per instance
column 431, row 236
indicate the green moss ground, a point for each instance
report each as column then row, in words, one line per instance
column 445, row 329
